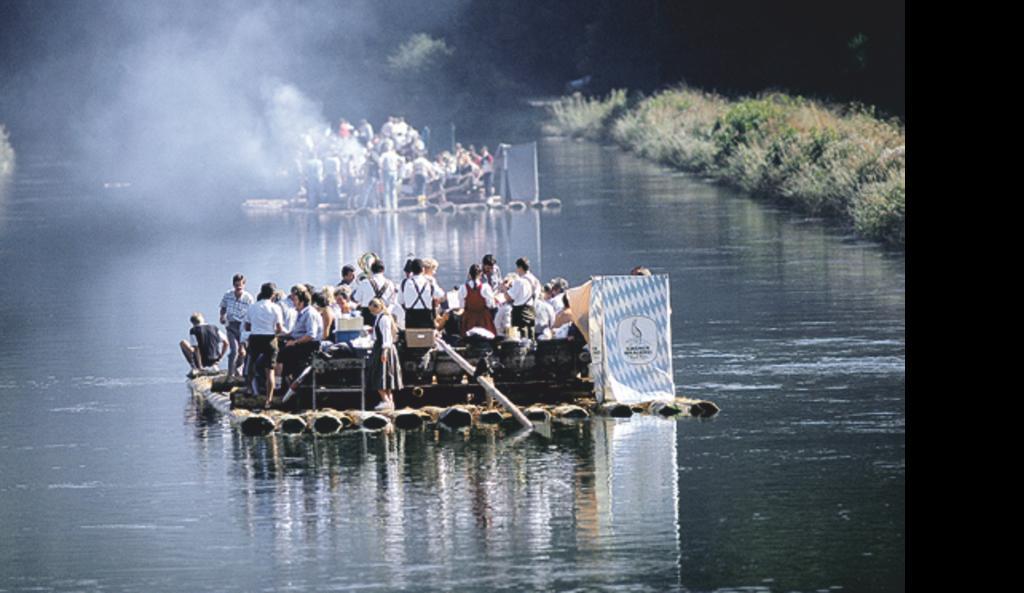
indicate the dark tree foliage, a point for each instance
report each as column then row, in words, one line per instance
column 58, row 58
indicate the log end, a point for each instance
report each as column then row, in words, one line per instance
column 257, row 425
column 456, row 417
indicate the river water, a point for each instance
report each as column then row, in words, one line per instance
column 113, row 479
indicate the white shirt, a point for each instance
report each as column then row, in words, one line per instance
column 288, row 315
column 423, row 166
column 263, row 316
column 417, row 292
column 503, row 319
column 544, row 316
column 391, row 162
column 556, row 303
column 365, row 292
column 384, row 323
column 523, row 289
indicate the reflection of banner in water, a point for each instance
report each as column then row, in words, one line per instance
column 630, row 338
column 636, row 479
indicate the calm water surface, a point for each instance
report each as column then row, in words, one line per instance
column 113, row 479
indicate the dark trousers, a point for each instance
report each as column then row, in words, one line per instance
column 525, row 318
column 297, row 357
column 419, row 318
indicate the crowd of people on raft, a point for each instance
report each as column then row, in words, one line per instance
column 278, row 333
column 357, row 168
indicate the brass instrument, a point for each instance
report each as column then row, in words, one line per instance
column 366, row 260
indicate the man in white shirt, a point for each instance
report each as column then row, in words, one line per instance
column 417, row 295
column 424, row 171
column 391, row 164
column 375, row 286
column 524, row 292
column 264, row 321
column 545, row 314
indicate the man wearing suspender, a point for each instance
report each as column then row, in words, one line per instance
column 524, row 292
column 376, row 286
column 417, row 298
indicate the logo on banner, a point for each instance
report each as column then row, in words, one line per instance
column 638, row 339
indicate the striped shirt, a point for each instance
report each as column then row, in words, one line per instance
column 236, row 308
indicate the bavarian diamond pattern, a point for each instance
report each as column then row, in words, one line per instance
column 618, row 298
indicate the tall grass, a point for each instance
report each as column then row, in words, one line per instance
column 583, row 117
column 840, row 162
column 6, row 153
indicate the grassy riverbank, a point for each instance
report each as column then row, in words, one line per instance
column 6, row 153
column 843, row 163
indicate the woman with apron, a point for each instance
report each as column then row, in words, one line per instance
column 385, row 370
column 477, row 300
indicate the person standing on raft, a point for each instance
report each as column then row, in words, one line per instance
column 264, row 321
column 524, row 292
column 233, row 307
column 385, row 369
column 477, row 299
column 376, row 286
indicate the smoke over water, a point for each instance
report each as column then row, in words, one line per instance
column 202, row 105
column 205, row 101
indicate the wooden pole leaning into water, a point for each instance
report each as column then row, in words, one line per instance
column 486, row 383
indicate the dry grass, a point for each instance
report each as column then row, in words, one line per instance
column 582, row 117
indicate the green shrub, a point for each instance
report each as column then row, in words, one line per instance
column 841, row 162
column 419, row 53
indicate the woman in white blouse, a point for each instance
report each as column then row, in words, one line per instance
column 385, row 369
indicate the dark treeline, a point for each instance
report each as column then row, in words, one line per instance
column 842, row 51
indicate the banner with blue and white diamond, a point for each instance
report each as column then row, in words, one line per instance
column 631, row 338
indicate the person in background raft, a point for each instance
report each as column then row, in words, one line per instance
column 639, row 271
column 385, row 368
column 477, row 301
column 201, row 350
column 233, row 308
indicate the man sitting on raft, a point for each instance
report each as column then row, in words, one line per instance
column 206, row 344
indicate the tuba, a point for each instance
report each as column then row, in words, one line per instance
column 366, row 260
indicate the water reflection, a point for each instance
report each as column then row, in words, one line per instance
column 326, row 242
column 593, row 502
